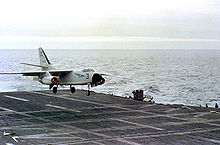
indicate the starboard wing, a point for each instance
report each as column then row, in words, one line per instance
column 59, row 72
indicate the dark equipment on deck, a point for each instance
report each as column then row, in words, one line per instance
column 138, row 95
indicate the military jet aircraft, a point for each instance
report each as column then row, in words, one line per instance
column 53, row 77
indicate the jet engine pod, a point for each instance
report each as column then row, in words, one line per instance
column 102, row 81
column 98, row 79
column 49, row 80
column 54, row 80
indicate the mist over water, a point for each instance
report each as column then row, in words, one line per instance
column 170, row 76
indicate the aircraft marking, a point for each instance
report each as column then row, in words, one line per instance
column 11, row 97
column 79, row 75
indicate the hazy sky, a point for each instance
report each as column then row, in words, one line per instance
column 110, row 24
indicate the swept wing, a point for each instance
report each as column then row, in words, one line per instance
column 39, row 73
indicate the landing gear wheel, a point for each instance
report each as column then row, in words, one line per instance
column 73, row 90
column 54, row 90
column 88, row 93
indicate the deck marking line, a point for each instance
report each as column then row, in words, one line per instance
column 54, row 106
column 11, row 97
column 90, row 102
column 60, row 107
column 142, row 125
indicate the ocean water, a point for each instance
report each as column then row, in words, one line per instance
column 190, row 77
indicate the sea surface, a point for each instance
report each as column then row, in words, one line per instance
column 190, row 77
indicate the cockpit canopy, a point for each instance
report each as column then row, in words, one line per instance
column 88, row 70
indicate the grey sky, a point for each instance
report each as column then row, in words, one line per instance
column 110, row 24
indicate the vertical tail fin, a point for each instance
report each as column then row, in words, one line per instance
column 44, row 61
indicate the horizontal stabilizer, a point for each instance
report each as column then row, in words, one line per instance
column 32, row 64
column 105, row 74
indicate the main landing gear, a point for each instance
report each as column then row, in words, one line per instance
column 72, row 89
column 54, row 84
column 55, row 89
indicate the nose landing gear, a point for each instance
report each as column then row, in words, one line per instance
column 88, row 93
column 89, row 87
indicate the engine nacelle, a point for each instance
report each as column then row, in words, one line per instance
column 49, row 80
column 97, row 79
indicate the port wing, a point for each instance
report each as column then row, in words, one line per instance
column 39, row 73
column 35, row 73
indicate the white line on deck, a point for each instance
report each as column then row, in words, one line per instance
column 54, row 106
column 60, row 107
column 11, row 97
column 84, row 101
column 142, row 125
column 9, row 143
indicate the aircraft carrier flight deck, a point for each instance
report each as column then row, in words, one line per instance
column 41, row 117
